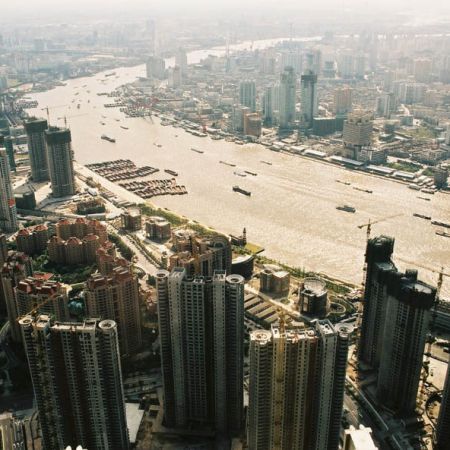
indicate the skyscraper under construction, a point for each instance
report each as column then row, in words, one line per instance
column 37, row 148
column 60, row 161
column 396, row 319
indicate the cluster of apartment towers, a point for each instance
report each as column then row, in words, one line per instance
column 51, row 159
column 296, row 376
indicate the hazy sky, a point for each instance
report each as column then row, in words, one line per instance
column 42, row 8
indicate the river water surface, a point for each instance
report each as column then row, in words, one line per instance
column 292, row 210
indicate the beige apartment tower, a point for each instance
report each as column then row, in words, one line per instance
column 116, row 296
column 201, row 323
column 296, row 388
column 77, row 382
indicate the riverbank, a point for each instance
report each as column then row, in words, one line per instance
column 335, row 285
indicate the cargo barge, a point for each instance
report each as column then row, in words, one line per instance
column 441, row 224
column 107, row 138
column 346, row 208
column 242, row 191
column 422, row 216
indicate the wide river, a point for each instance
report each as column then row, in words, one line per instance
column 292, row 210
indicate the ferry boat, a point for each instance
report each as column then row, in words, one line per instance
column 443, row 233
column 197, row 150
column 422, row 216
column 171, row 172
column 346, row 208
column 241, row 191
column 107, row 138
column 441, row 224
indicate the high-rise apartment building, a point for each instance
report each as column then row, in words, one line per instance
column 287, row 97
column 378, row 261
column 3, row 249
column 406, row 325
column 9, row 146
column 60, row 161
column 80, row 228
column 156, row 67
column 296, row 390
column 292, row 59
column 181, row 60
column 268, row 105
column 346, row 64
column 385, row 104
column 32, row 240
column 175, row 77
column 37, row 149
column 309, row 104
column 8, row 213
column 116, row 296
column 15, row 268
column 77, row 382
column 357, row 133
column 423, row 68
column 247, row 94
column 201, row 330
column 49, row 297
column 342, row 101
column 443, row 424
column 360, row 66
column 201, row 256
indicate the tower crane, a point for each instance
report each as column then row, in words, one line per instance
column 48, row 108
column 70, row 117
column 370, row 223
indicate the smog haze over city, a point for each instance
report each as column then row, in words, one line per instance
column 225, row 225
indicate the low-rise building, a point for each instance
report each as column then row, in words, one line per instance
column 313, row 298
column 132, row 219
column 274, row 280
column 158, row 228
